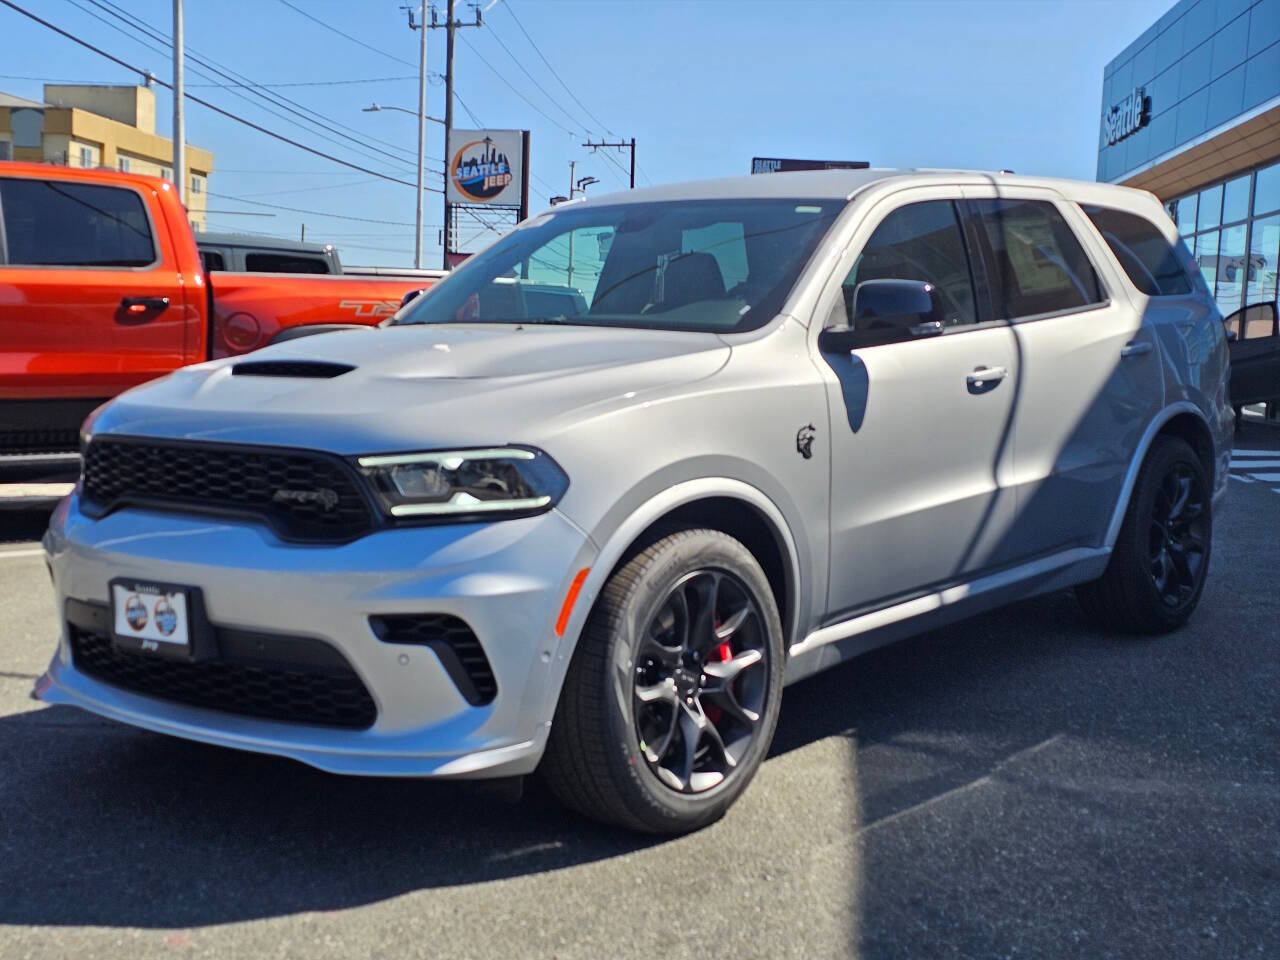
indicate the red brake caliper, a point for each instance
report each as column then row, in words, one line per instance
column 719, row 654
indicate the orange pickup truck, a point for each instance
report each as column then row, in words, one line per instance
column 101, row 288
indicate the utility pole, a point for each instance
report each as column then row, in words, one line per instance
column 179, row 124
column 621, row 146
column 421, row 27
column 451, row 24
column 569, row 280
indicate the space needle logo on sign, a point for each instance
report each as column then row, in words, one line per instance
column 480, row 170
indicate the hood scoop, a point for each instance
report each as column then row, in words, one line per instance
column 298, row 369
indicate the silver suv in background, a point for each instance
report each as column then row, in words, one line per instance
column 794, row 417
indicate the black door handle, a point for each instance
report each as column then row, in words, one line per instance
column 140, row 309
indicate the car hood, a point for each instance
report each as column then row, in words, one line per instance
column 415, row 387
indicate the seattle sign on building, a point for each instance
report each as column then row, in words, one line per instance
column 1127, row 117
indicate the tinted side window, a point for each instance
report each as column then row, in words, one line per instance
column 212, row 260
column 1038, row 265
column 283, row 263
column 1147, row 257
column 921, row 241
column 58, row 223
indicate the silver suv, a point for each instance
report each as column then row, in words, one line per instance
column 796, row 416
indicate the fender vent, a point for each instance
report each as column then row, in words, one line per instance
column 453, row 642
column 313, row 369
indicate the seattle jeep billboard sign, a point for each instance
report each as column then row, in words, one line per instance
column 486, row 167
column 1127, row 117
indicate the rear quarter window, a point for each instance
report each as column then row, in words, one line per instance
column 1151, row 262
column 284, row 263
column 67, row 224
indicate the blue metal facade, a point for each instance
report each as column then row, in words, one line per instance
column 1202, row 64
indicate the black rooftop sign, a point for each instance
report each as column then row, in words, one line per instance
column 783, row 165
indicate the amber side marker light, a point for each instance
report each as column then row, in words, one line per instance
column 569, row 599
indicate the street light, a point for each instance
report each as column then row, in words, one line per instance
column 378, row 108
column 421, row 114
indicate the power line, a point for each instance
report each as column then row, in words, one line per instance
column 272, row 84
column 312, row 189
column 240, row 80
column 567, row 88
column 303, row 83
column 514, row 89
column 331, row 28
column 166, row 50
column 516, row 61
column 194, row 99
column 310, row 213
column 381, row 52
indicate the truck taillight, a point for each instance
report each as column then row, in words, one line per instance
column 242, row 331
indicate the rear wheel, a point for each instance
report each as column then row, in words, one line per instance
column 1157, row 569
column 672, row 696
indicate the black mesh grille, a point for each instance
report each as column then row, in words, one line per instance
column 454, row 643
column 303, row 495
column 290, row 368
column 39, row 441
column 329, row 695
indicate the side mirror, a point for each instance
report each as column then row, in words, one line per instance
column 886, row 311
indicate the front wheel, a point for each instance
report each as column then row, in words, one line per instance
column 672, row 695
column 1157, row 570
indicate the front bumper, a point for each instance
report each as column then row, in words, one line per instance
column 507, row 580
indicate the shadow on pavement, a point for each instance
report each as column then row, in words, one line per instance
column 106, row 825
column 115, row 826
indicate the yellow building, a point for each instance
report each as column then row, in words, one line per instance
column 90, row 126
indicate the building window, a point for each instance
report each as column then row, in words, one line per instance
column 197, row 185
column 123, row 163
column 86, row 157
column 1234, row 233
column 167, row 174
column 6, row 152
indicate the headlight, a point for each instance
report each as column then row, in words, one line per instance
column 465, row 484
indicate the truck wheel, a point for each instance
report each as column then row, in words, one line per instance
column 672, row 695
column 1157, row 569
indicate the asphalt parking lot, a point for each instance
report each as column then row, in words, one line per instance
column 1018, row 785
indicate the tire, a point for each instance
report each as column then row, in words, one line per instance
column 621, row 690
column 1157, row 570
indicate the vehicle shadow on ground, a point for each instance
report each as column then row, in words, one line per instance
column 107, row 825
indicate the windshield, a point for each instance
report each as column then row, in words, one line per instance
column 714, row 265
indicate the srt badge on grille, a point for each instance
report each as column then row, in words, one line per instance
column 325, row 498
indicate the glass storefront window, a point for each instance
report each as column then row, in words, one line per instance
column 1207, row 257
column 1264, row 248
column 1266, row 196
column 1232, row 268
column 1235, row 200
column 1210, row 214
column 1184, row 213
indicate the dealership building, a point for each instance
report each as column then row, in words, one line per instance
column 1191, row 112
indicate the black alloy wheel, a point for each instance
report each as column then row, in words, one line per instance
column 672, row 694
column 1178, row 537
column 700, row 680
column 1156, row 574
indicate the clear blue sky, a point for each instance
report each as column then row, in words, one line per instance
column 702, row 86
